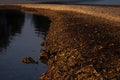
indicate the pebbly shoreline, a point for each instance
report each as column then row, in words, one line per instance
column 80, row 45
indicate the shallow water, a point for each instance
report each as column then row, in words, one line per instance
column 20, row 36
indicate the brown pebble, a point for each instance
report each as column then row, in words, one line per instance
column 42, row 43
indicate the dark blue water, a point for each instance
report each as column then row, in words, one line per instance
column 20, row 36
column 110, row 2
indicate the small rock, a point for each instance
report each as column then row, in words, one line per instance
column 29, row 60
column 43, row 59
column 42, row 52
column 42, row 43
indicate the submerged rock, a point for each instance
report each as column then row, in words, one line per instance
column 42, row 43
column 29, row 60
column 43, row 59
column 44, row 56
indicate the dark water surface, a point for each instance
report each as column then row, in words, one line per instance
column 20, row 36
column 107, row 2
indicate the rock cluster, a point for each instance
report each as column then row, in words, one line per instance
column 81, row 47
column 29, row 60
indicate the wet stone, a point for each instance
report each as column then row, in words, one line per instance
column 89, row 73
column 43, row 52
column 43, row 59
column 29, row 60
column 42, row 43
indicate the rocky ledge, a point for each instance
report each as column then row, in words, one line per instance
column 81, row 47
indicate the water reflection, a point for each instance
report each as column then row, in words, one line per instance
column 42, row 24
column 10, row 25
column 18, row 31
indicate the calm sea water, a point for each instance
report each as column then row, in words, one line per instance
column 111, row 2
column 108, row 2
column 20, row 36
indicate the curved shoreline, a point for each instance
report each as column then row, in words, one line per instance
column 81, row 43
column 107, row 12
column 104, row 11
